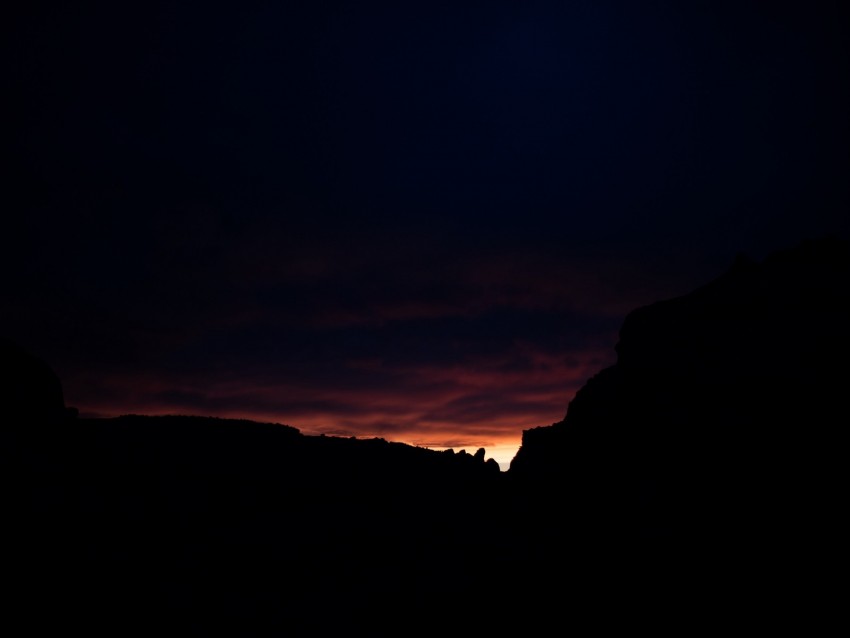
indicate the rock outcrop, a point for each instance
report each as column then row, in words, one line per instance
column 723, row 416
column 29, row 388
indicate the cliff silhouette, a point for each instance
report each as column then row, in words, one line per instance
column 717, row 437
column 699, row 477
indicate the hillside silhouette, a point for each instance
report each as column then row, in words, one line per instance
column 718, row 437
column 722, row 404
column 701, row 476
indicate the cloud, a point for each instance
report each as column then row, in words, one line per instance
column 483, row 399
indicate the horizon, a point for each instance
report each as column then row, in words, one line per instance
column 503, row 454
column 443, row 437
column 501, row 437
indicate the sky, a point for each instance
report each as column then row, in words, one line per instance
column 421, row 221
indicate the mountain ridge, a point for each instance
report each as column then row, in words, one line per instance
column 710, row 448
column 714, row 394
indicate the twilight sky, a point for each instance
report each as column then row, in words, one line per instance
column 423, row 221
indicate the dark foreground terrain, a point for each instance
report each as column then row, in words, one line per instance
column 696, row 484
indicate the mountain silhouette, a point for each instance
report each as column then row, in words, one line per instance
column 717, row 437
column 698, row 477
column 29, row 388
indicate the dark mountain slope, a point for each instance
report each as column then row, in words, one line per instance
column 29, row 388
column 722, row 423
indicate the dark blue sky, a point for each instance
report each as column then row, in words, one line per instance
column 423, row 221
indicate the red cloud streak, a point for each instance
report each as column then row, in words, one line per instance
column 486, row 403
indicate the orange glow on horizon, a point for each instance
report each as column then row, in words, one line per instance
column 484, row 404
